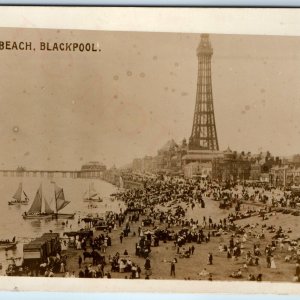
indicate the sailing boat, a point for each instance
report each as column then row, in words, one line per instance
column 35, row 211
column 19, row 197
column 92, row 195
column 60, row 203
column 7, row 244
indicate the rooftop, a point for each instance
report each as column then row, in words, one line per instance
column 168, row 146
column 94, row 165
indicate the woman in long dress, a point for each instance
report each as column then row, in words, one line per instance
column 78, row 245
column 273, row 265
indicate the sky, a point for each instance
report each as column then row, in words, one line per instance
column 59, row 110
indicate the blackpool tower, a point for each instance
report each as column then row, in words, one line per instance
column 204, row 133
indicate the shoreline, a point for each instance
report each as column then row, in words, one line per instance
column 189, row 268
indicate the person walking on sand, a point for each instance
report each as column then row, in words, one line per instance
column 62, row 268
column 172, row 269
column 147, row 264
column 298, row 270
column 210, row 222
column 273, row 265
column 192, row 249
column 268, row 261
column 79, row 261
column 210, row 258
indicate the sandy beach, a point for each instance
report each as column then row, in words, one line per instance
column 189, row 268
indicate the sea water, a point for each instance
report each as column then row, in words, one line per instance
column 11, row 220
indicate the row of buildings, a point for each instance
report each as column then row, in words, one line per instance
column 201, row 157
column 228, row 165
column 168, row 159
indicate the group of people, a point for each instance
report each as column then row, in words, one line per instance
column 124, row 264
column 158, row 213
column 53, row 265
column 92, row 272
column 167, row 200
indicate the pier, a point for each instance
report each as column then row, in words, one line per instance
column 52, row 173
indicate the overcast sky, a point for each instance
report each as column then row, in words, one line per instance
column 59, row 110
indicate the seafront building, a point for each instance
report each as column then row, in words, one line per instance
column 93, row 169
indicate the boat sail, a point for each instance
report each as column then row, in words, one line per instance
column 35, row 210
column 48, row 209
column 92, row 194
column 60, row 203
column 18, row 199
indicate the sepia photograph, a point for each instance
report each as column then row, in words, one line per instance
column 149, row 155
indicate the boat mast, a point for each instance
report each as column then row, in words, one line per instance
column 55, row 198
column 21, row 190
column 55, row 201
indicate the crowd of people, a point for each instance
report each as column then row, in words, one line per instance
column 167, row 200
column 158, row 215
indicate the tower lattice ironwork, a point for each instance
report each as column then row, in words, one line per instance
column 204, row 133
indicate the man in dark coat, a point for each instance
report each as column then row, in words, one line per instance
column 79, row 261
column 172, row 269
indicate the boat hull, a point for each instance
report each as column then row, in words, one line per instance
column 37, row 216
column 48, row 216
column 17, row 203
column 93, row 200
column 8, row 246
column 63, row 216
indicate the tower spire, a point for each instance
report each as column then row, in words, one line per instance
column 204, row 133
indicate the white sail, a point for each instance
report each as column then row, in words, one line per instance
column 36, row 206
column 61, row 202
column 48, row 209
column 91, row 193
column 18, row 194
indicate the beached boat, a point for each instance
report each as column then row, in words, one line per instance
column 35, row 211
column 91, row 195
column 19, row 197
column 8, row 244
